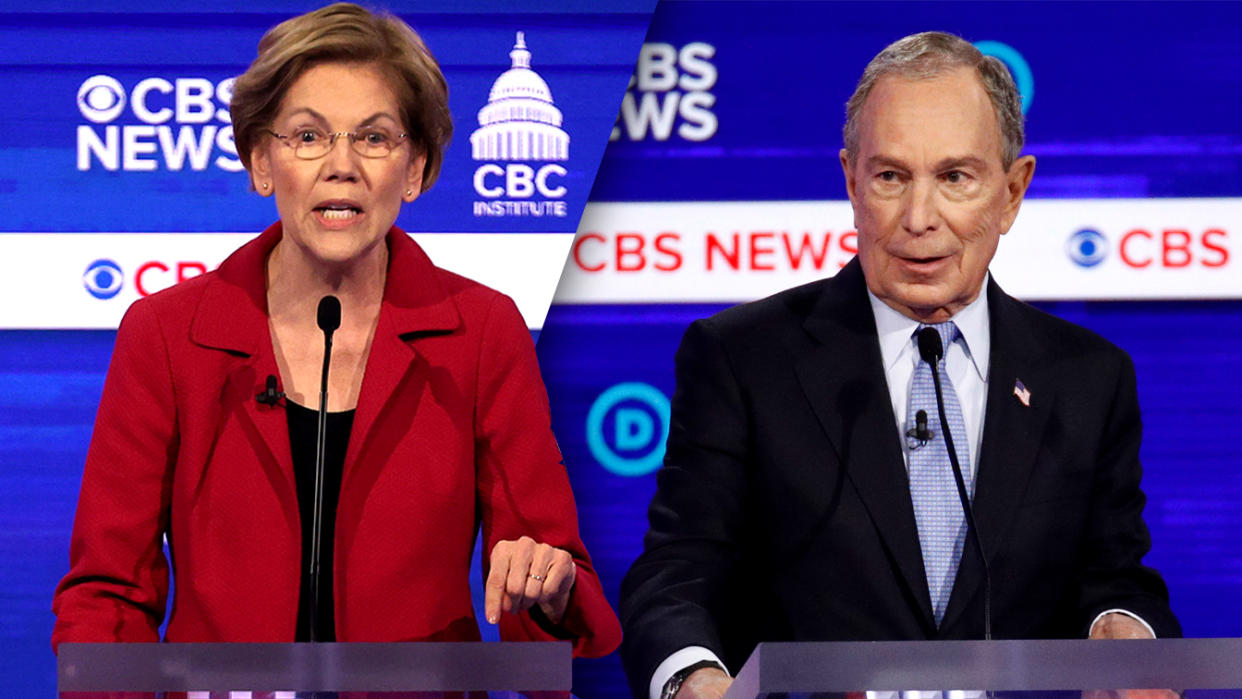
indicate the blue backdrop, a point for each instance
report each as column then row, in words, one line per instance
column 1128, row 101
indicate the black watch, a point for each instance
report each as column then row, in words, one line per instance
column 674, row 683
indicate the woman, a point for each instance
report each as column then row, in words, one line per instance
column 438, row 421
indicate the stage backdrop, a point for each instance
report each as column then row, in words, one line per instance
column 721, row 184
column 120, row 177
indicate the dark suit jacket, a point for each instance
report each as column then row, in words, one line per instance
column 783, row 509
column 452, row 432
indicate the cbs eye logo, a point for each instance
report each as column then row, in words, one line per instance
column 1087, row 247
column 103, row 279
column 101, row 98
column 627, row 427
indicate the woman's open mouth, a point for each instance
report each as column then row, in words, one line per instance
column 337, row 212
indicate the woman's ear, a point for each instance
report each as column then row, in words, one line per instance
column 261, row 170
column 414, row 178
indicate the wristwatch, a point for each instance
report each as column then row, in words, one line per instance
column 674, row 683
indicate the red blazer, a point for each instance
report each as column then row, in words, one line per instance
column 452, row 430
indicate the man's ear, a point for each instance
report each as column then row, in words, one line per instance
column 1017, row 179
column 850, row 181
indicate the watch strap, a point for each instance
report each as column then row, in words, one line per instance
column 674, row 683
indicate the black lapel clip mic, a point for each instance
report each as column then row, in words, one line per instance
column 920, row 432
column 269, row 396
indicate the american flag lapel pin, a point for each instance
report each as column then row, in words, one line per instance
column 1022, row 392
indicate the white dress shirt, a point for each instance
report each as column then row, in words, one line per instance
column 966, row 363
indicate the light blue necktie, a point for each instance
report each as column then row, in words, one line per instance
column 933, row 491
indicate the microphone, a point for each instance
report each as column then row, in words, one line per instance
column 328, row 318
column 269, row 395
column 931, row 350
column 920, row 431
column 329, row 315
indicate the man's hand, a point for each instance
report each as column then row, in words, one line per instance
column 1118, row 627
column 705, row 683
column 1121, row 627
column 525, row 573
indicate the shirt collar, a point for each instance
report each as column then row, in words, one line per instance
column 895, row 330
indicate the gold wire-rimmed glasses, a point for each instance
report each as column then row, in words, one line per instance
column 369, row 141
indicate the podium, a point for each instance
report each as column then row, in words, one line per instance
column 970, row 667
column 91, row 668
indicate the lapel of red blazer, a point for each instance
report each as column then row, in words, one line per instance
column 843, row 378
column 232, row 317
column 416, row 303
column 1012, row 433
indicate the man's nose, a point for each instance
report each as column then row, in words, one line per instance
column 921, row 213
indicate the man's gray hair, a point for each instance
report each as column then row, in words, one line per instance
column 930, row 54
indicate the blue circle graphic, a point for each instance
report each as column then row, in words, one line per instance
column 634, row 431
column 1018, row 68
column 1087, row 247
column 103, row 279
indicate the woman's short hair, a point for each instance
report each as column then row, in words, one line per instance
column 346, row 33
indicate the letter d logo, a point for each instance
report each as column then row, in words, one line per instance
column 627, row 427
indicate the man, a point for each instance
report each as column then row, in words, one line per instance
column 802, row 496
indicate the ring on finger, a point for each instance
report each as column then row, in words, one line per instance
column 536, row 577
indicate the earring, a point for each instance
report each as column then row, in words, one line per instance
column 409, row 192
column 264, row 185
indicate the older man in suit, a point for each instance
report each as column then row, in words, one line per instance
column 802, row 497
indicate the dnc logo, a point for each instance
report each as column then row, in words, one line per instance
column 627, row 427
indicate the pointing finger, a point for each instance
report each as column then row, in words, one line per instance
column 494, row 589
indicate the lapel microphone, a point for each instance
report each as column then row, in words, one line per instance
column 931, row 350
column 269, row 395
column 328, row 317
column 920, row 431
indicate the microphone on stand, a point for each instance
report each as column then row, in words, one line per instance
column 329, row 319
column 931, row 350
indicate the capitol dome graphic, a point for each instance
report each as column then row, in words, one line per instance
column 520, row 122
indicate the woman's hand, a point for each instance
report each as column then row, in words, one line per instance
column 525, row 573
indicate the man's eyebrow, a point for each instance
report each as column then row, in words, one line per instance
column 969, row 161
column 886, row 161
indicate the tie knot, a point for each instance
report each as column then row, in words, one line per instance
column 947, row 330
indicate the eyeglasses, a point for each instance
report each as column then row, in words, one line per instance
column 369, row 142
